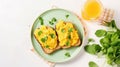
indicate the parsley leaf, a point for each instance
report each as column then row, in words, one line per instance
column 70, row 30
column 62, row 30
column 41, row 20
column 67, row 43
column 100, row 33
column 69, row 36
column 47, row 46
column 52, row 35
column 92, row 49
column 67, row 16
column 52, row 21
column 39, row 33
column 67, row 54
column 92, row 64
column 44, row 39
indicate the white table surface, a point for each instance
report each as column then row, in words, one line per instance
column 16, row 19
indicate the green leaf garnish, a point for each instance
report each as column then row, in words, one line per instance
column 67, row 43
column 70, row 30
column 114, row 37
column 105, row 42
column 51, row 22
column 52, row 35
column 62, row 30
column 117, row 61
column 92, row 64
column 100, row 33
column 54, row 19
column 67, row 54
column 39, row 33
column 69, row 36
column 44, row 39
column 92, row 49
column 67, row 16
column 41, row 20
column 47, row 46
column 91, row 40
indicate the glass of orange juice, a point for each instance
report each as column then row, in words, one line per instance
column 92, row 10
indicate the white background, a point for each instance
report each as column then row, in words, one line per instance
column 16, row 19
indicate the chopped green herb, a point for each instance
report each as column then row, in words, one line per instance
column 41, row 20
column 47, row 46
column 70, row 30
column 67, row 43
column 44, row 39
column 54, row 19
column 39, row 33
column 50, row 22
column 69, row 36
column 90, row 40
column 62, row 30
column 67, row 54
column 67, row 16
column 100, row 33
column 92, row 64
column 52, row 35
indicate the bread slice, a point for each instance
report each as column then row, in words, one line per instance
column 47, row 38
column 67, row 35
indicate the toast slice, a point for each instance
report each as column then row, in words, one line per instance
column 47, row 38
column 67, row 35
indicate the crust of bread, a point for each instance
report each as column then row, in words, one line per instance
column 47, row 50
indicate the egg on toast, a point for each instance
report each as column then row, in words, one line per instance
column 47, row 38
column 67, row 34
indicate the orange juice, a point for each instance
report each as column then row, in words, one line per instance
column 91, row 10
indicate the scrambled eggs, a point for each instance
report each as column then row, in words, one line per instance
column 67, row 34
column 46, row 36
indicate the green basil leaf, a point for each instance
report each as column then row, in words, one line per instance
column 114, row 37
column 91, row 40
column 100, row 33
column 92, row 49
column 92, row 64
